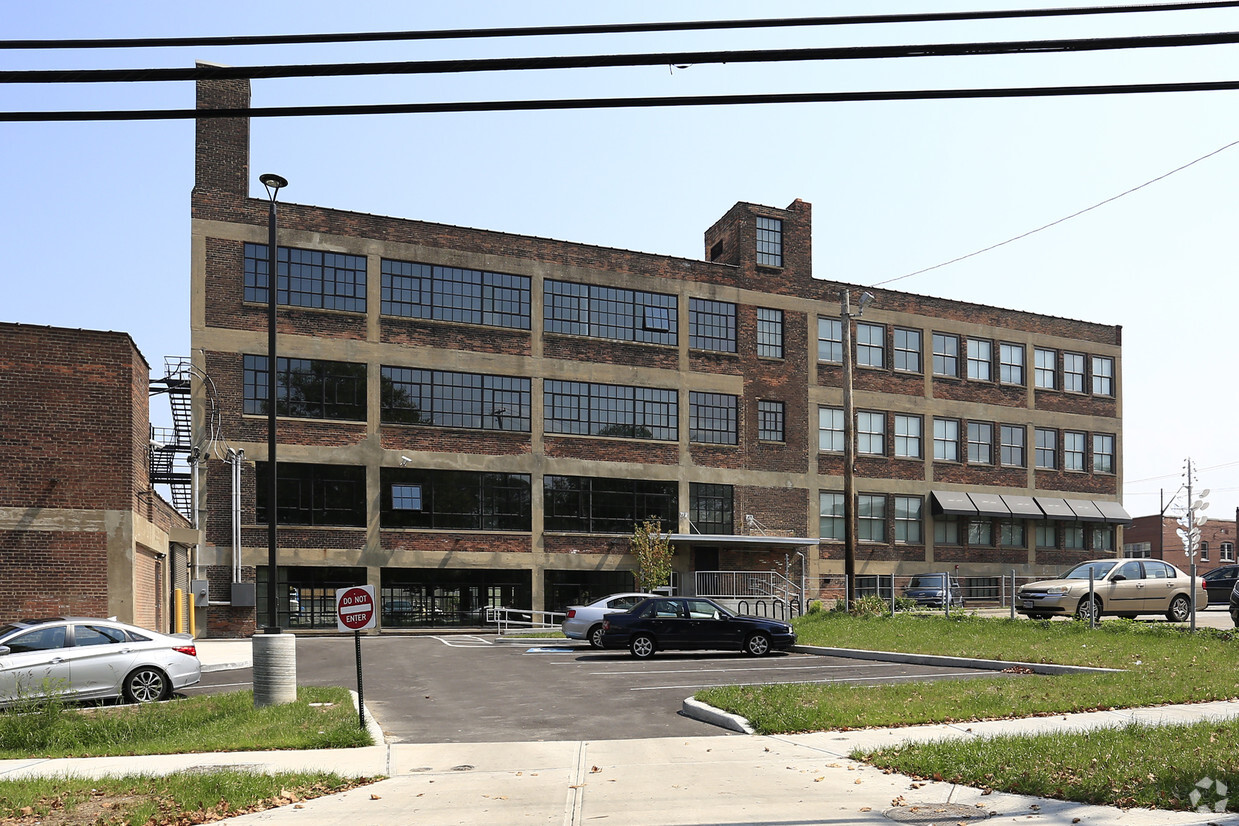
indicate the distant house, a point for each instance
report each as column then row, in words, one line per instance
column 1157, row 537
column 82, row 532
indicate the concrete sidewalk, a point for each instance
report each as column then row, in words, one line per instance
column 767, row 780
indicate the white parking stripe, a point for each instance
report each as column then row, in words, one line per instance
column 969, row 672
column 748, row 670
column 463, row 641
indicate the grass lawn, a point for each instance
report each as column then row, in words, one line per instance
column 320, row 718
column 1150, row 766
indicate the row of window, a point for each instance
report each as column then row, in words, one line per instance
column 334, row 281
column 971, row 442
column 976, row 359
column 898, row 519
column 310, row 388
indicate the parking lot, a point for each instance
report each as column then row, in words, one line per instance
column 464, row 688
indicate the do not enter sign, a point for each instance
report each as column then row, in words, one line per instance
column 355, row 608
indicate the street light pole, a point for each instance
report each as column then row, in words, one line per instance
column 273, row 184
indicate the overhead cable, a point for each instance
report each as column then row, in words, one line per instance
column 613, row 103
column 602, row 28
column 508, row 64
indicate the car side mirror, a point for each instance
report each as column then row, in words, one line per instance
column 1118, row 578
column 5, row 650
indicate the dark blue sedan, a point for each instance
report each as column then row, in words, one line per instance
column 689, row 623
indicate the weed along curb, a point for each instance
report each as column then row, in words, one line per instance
column 951, row 662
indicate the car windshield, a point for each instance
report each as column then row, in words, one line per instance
column 1099, row 569
column 934, row 581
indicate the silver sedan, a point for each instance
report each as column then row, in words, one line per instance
column 584, row 622
column 82, row 658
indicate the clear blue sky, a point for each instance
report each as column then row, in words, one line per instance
column 96, row 226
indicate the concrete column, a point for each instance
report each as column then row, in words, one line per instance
column 275, row 669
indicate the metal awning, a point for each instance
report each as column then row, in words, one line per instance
column 953, row 503
column 727, row 540
column 1113, row 512
column 1022, row 507
column 1056, row 509
column 990, row 504
column 1085, row 510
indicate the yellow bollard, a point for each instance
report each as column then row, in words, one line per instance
column 178, row 600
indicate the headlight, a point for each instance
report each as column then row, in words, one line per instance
column 1058, row 589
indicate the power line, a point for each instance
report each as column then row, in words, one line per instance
column 614, row 103
column 1064, row 219
column 605, row 28
column 506, row 64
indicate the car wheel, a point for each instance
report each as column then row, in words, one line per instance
column 595, row 636
column 757, row 645
column 642, row 646
column 145, row 685
column 1180, row 609
column 1087, row 610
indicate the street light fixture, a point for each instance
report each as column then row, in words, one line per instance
column 273, row 184
column 849, row 443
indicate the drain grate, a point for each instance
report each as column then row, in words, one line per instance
column 929, row 814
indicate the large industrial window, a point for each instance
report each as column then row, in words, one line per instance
column 871, row 517
column 1046, row 448
column 907, row 354
column 712, row 325
column 712, row 418
column 412, row 290
column 946, row 440
column 1011, row 534
column 596, row 505
column 1103, row 376
column 830, row 340
column 313, row 494
column 946, row 355
column 1073, row 450
column 586, row 409
column 1011, row 363
column 769, row 333
column 1013, row 444
column 871, row 433
column 830, row 429
column 455, row 500
column 980, row 443
column 446, row 399
column 1045, row 366
column 1103, row 453
column 908, row 430
column 870, row 345
column 769, row 242
column 711, row 509
column 980, row 359
column 307, row 388
column 1073, row 372
column 908, row 520
column 609, row 312
column 831, row 516
column 307, row 278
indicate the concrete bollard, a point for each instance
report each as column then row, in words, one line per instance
column 275, row 669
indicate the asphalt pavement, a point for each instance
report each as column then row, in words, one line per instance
column 706, row 779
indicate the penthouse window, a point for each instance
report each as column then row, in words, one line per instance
column 1073, row 372
column 712, row 418
column 1045, row 363
column 769, row 242
column 980, row 359
column 455, row 500
column 608, row 312
column 307, row 388
column 590, row 505
column 412, row 290
column 711, row 508
column 307, row 278
column 313, row 494
column 581, row 408
column 1011, row 363
column 445, row 399
column 769, row 333
column 830, row 340
column 712, row 325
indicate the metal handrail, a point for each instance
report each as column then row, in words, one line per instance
column 505, row 619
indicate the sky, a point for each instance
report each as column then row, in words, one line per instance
column 96, row 227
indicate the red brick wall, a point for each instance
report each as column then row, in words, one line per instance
column 53, row 573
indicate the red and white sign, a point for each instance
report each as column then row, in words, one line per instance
column 355, row 608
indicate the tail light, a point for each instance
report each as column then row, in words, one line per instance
column 189, row 650
column 606, row 625
column 571, row 613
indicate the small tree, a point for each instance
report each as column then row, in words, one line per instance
column 653, row 552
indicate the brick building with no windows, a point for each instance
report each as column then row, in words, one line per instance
column 82, row 531
column 471, row 418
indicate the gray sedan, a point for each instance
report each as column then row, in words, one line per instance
column 92, row 659
column 584, row 622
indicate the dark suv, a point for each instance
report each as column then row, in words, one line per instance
column 928, row 589
column 1220, row 582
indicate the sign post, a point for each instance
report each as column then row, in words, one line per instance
column 355, row 612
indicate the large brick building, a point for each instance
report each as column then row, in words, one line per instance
column 82, row 531
column 1157, row 537
column 471, row 417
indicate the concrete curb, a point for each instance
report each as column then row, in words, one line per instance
column 951, row 662
column 706, row 713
